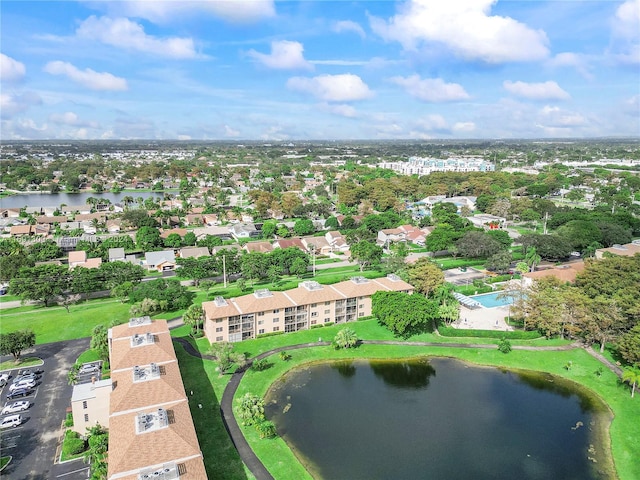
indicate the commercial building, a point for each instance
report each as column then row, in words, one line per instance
column 425, row 166
column 264, row 311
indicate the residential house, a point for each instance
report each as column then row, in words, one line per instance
column 244, row 230
column 9, row 213
column 317, row 244
column 79, row 259
column 180, row 231
column 161, row 261
column 194, row 252
column 260, row 247
column 337, row 242
column 566, row 273
column 290, row 242
column 222, row 233
column 77, row 209
column 114, row 225
column 117, row 254
column 263, row 311
column 488, row 222
column 30, row 230
column 626, row 250
column 194, row 219
column 45, row 219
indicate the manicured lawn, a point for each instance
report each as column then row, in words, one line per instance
column 24, row 363
column 9, row 298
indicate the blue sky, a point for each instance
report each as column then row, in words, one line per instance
column 287, row 70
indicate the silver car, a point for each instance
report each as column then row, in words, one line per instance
column 11, row 421
column 16, row 407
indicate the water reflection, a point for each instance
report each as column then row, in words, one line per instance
column 403, row 373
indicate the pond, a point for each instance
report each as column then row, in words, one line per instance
column 57, row 199
column 438, row 418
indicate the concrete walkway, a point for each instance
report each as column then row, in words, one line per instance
column 247, row 455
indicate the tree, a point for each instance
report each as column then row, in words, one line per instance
column 251, row 409
column 138, row 218
column 500, row 262
column 67, row 300
column 449, row 312
column 404, row 314
column 628, row 346
column 345, row 338
column 299, row 267
column 197, row 268
column 173, row 240
column 303, row 226
column 441, row 238
column 118, row 273
column 425, row 276
column 189, row 239
column 209, row 241
column 631, row 375
column 254, row 265
column 43, row 251
column 148, row 238
column 366, row 254
column 193, row 316
column 100, row 341
column 477, row 244
column 41, row 283
column 269, row 230
column 168, row 292
column 532, row 258
column 96, row 455
column 15, row 342
column 223, row 353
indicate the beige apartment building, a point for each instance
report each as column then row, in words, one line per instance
column 90, row 405
column 151, row 432
column 264, row 311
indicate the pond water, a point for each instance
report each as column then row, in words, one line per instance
column 438, row 419
column 57, row 199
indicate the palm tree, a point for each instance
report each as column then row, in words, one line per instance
column 127, row 200
column 532, row 258
column 631, row 375
column 345, row 338
column 449, row 312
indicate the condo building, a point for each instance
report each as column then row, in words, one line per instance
column 264, row 311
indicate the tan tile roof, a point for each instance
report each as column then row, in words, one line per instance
column 130, row 395
column 129, row 450
column 564, row 273
column 303, row 296
column 77, row 256
column 250, row 303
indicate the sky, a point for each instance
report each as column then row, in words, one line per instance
column 319, row 70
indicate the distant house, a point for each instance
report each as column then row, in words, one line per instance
column 180, row 231
column 564, row 273
column 88, row 217
column 194, row 219
column 211, row 219
column 260, row 247
column 337, row 242
column 81, row 209
column 244, row 230
column 222, row 233
column 51, row 219
column 317, row 244
column 9, row 213
column 30, row 230
column 114, row 226
column 116, row 255
column 626, row 250
column 290, row 242
column 194, row 252
column 486, row 221
column 79, row 259
column 161, row 261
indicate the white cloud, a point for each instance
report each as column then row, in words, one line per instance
column 71, row 119
column 128, row 35
column 332, row 88
column 184, row 137
column 466, row 28
column 349, row 26
column 555, row 117
column 626, row 33
column 573, row 60
column 433, row 123
column 340, row 109
column 433, row 90
column 87, row 77
column 11, row 70
column 231, row 132
column 11, row 104
column 464, row 127
column 536, row 91
column 285, row 55
column 236, row 11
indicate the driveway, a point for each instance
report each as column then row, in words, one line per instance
column 33, row 445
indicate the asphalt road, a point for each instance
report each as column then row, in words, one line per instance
column 33, row 444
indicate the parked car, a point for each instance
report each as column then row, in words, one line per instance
column 16, row 407
column 4, row 378
column 22, row 384
column 89, row 368
column 21, row 392
column 11, row 421
column 26, row 376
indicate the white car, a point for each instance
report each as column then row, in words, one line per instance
column 89, row 368
column 16, row 407
column 4, row 378
column 22, row 384
column 11, row 421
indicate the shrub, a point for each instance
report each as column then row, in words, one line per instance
column 260, row 365
column 251, row 409
column 266, row 429
column 73, row 444
column 504, row 345
column 269, row 334
column 68, row 422
column 515, row 335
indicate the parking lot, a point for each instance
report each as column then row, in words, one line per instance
column 32, row 445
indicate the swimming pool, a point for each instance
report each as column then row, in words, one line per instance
column 491, row 300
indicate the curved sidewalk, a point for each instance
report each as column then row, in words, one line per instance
column 247, row 455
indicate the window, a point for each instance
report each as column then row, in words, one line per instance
column 84, row 404
column 261, row 331
column 276, row 320
column 277, row 310
column 219, row 320
column 276, row 329
column 327, row 312
column 327, row 320
column 218, row 339
column 361, row 314
column 314, row 305
column 86, row 417
column 218, row 329
column 361, row 305
column 314, row 314
column 327, row 303
column 260, row 314
column 313, row 322
column 260, row 322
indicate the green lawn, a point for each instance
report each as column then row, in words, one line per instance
column 23, row 363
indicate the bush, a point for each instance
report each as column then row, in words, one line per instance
column 68, row 422
column 328, row 324
column 260, row 365
column 504, row 345
column 516, row 335
column 268, row 334
column 72, row 444
column 266, row 429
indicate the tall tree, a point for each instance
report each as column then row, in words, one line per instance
column 366, row 254
column 425, row 276
column 193, row 316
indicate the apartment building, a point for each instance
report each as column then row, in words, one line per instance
column 264, row 311
column 90, row 405
column 151, row 432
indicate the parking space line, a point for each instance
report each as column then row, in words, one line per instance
column 71, row 473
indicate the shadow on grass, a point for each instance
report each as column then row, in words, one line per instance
column 221, row 458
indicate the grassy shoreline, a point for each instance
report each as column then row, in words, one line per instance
column 624, row 431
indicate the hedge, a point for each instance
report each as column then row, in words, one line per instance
column 515, row 335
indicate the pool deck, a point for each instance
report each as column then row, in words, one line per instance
column 483, row 318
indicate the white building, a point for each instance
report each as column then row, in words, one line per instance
column 426, row 166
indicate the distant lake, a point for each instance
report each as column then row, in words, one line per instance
column 57, row 199
column 438, row 419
